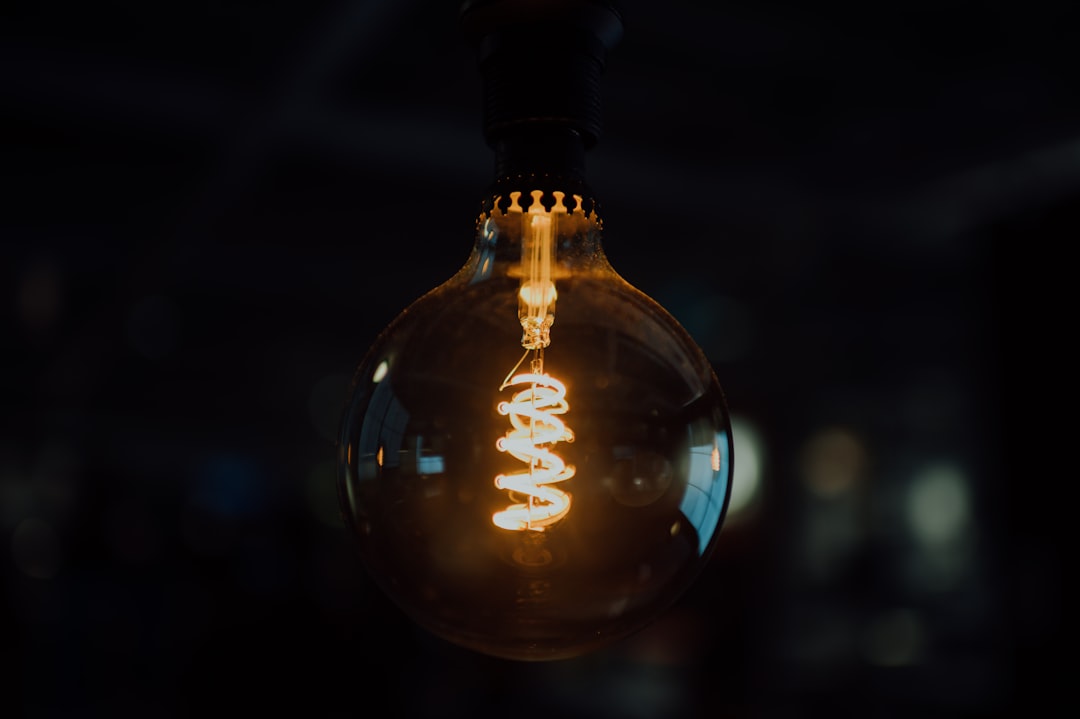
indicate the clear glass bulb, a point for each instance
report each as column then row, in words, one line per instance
column 535, row 457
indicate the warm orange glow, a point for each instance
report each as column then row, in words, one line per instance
column 536, row 427
column 538, row 295
column 535, row 407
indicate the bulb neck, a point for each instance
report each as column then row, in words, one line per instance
column 541, row 150
column 541, row 190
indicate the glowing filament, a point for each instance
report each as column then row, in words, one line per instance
column 535, row 408
column 537, row 295
column 533, row 413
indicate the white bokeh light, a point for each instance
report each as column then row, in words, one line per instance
column 938, row 505
column 748, row 455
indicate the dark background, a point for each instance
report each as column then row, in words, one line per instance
column 863, row 213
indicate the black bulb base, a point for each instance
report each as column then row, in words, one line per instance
column 540, row 64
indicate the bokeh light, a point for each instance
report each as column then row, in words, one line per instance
column 833, row 462
column 749, row 453
column 938, row 506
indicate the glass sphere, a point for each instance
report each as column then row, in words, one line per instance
column 425, row 436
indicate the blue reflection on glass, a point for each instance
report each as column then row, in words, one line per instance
column 384, row 430
column 430, row 465
column 707, row 488
column 486, row 263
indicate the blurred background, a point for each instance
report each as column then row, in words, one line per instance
column 212, row 208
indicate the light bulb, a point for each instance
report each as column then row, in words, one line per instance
column 535, row 457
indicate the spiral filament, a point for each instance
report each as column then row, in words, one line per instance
column 533, row 412
column 535, row 407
